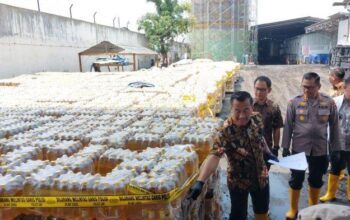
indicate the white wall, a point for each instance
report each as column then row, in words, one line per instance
column 343, row 33
column 311, row 44
column 33, row 42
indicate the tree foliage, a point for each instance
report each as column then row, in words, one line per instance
column 171, row 20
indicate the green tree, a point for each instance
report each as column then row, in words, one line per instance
column 171, row 20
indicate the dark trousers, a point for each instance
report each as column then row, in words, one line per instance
column 239, row 202
column 341, row 163
column 317, row 168
column 268, row 165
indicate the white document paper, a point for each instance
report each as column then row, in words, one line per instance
column 295, row 162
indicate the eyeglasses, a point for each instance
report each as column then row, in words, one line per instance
column 260, row 90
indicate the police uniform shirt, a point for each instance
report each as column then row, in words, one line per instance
column 306, row 125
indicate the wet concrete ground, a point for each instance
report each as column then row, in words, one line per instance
column 279, row 197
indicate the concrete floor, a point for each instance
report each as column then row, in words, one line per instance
column 279, row 198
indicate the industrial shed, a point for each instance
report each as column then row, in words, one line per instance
column 272, row 36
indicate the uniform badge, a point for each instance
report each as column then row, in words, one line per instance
column 302, row 104
column 302, row 118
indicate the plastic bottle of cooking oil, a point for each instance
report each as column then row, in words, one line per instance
column 108, row 186
column 153, row 140
column 163, row 211
column 134, row 144
column 173, row 137
column 87, row 184
column 110, row 159
column 84, row 190
column 102, row 164
column 192, row 164
column 186, row 155
column 11, row 186
column 205, row 143
column 201, row 144
column 76, row 190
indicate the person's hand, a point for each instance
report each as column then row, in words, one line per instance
column 285, row 152
column 335, row 156
column 195, row 190
column 275, row 150
column 271, row 156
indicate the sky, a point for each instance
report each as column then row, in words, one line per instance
column 129, row 11
column 279, row 10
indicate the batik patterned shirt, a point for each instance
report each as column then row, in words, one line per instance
column 272, row 118
column 244, row 148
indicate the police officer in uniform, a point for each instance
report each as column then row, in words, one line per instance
column 306, row 122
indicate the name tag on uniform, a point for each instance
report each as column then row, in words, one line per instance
column 325, row 111
column 323, row 114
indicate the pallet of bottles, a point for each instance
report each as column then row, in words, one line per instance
column 142, row 185
column 150, row 89
column 58, row 157
column 99, row 134
column 50, row 137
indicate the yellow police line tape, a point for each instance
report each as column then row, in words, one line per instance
column 94, row 201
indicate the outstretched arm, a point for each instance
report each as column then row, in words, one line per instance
column 209, row 166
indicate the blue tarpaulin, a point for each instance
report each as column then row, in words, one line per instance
column 319, row 58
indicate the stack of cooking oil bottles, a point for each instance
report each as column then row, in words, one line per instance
column 156, row 170
column 105, row 137
column 197, row 87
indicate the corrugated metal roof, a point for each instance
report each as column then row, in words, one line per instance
column 329, row 25
column 344, row 3
column 296, row 21
column 105, row 47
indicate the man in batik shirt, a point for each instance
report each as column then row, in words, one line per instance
column 241, row 139
column 270, row 111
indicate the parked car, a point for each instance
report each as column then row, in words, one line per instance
column 115, row 59
column 122, row 60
